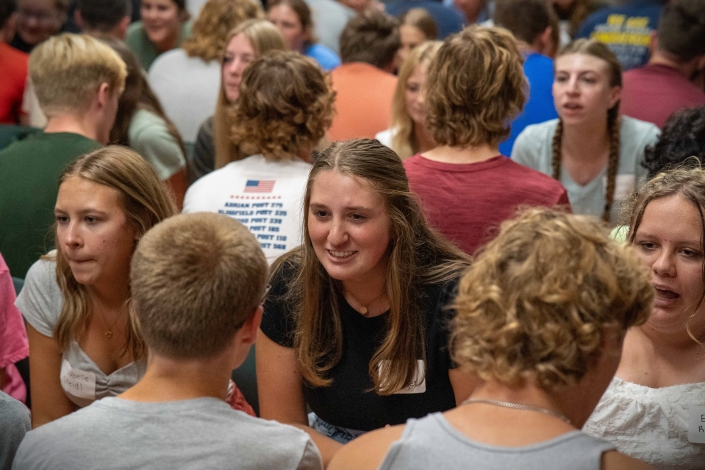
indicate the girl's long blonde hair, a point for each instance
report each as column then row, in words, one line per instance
column 404, row 141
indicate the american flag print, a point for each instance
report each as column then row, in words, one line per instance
column 259, row 186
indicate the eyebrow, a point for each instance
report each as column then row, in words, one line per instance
column 83, row 212
column 651, row 236
column 315, row 205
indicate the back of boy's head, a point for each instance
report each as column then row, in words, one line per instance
column 195, row 280
column 7, row 8
column 475, row 87
column 68, row 69
column 525, row 19
column 103, row 15
column 681, row 29
column 372, row 37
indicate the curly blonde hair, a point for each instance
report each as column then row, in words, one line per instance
column 285, row 106
column 216, row 20
column 543, row 297
column 476, row 86
column 404, row 142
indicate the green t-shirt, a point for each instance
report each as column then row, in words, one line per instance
column 144, row 49
column 29, row 184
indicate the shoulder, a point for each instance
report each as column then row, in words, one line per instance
column 40, row 299
column 636, row 129
column 146, row 124
column 600, row 16
column 385, row 137
column 531, row 144
column 135, row 33
column 167, row 62
column 367, row 451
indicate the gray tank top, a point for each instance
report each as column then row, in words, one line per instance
column 431, row 442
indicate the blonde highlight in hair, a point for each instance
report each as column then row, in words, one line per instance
column 263, row 37
column 601, row 51
column 68, row 69
column 146, row 201
column 685, row 181
column 543, row 298
column 475, row 86
column 217, row 18
column 417, row 255
column 404, row 141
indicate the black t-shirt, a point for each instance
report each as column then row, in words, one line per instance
column 350, row 401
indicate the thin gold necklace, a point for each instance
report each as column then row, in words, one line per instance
column 109, row 333
column 363, row 309
column 520, row 406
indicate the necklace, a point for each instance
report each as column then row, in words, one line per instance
column 363, row 309
column 519, row 406
column 109, row 333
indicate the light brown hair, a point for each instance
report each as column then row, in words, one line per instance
column 543, row 297
column 285, row 106
column 475, row 86
column 196, row 279
column 372, row 37
column 146, row 201
column 66, row 71
column 601, row 51
column 418, row 256
column 216, row 19
column 404, row 141
column 303, row 12
column 422, row 20
column 263, row 37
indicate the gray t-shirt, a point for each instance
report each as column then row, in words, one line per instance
column 534, row 148
column 83, row 382
column 14, row 423
column 432, row 442
column 189, row 434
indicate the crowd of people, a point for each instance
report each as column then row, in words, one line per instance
column 463, row 233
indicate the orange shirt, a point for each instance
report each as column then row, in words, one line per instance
column 13, row 75
column 363, row 101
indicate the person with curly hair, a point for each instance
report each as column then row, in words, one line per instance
column 474, row 87
column 595, row 152
column 186, row 80
column 245, row 43
column 541, row 317
column 355, row 322
column 661, row 376
column 284, row 109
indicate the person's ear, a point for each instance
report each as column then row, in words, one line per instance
column 78, row 19
column 120, row 30
column 251, row 325
column 104, row 94
column 615, row 95
column 653, row 41
column 544, row 41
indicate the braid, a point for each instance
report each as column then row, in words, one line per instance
column 613, row 125
column 556, row 161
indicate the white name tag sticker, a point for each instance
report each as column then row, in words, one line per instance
column 623, row 186
column 418, row 383
column 696, row 424
column 77, row 382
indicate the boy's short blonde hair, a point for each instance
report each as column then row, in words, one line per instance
column 66, row 71
column 195, row 280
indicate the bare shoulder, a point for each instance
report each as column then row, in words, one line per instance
column 367, row 451
column 614, row 460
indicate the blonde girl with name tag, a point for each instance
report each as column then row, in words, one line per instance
column 648, row 409
column 76, row 300
column 593, row 151
column 354, row 325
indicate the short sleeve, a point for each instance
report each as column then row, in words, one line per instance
column 13, row 337
column 40, row 299
column 203, row 151
column 524, row 151
column 311, row 458
column 151, row 139
column 278, row 321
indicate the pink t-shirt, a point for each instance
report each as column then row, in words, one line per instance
column 466, row 202
column 13, row 336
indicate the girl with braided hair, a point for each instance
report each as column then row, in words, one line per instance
column 593, row 151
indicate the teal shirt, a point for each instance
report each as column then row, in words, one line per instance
column 144, row 49
column 29, row 184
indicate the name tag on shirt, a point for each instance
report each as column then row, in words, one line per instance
column 418, row 383
column 77, row 382
column 696, row 424
column 623, row 186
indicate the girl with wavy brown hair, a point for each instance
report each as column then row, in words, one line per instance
column 541, row 319
column 284, row 109
column 83, row 344
column 591, row 149
column 354, row 325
